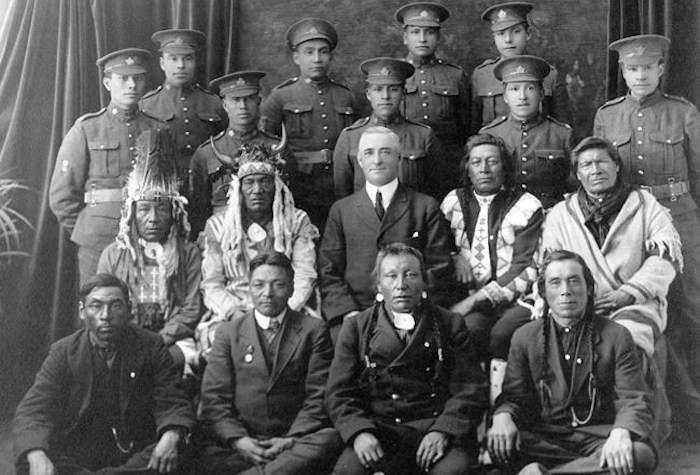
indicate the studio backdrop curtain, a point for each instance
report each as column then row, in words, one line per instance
column 677, row 20
column 48, row 78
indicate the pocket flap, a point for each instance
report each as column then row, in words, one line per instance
column 620, row 139
column 209, row 117
column 103, row 144
column 444, row 90
column 550, row 154
column 297, row 108
column 668, row 137
column 344, row 110
column 413, row 154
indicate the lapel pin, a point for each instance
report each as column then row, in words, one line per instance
column 415, row 234
column 132, row 375
column 248, row 358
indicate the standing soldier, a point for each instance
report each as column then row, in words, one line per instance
column 511, row 32
column 211, row 177
column 314, row 109
column 438, row 93
column 193, row 113
column 658, row 137
column 420, row 155
column 538, row 144
column 96, row 157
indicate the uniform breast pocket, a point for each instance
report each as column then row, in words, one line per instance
column 446, row 96
column 104, row 158
column 346, row 115
column 552, row 162
column 622, row 142
column 667, row 154
column 297, row 119
column 209, row 118
column 412, row 168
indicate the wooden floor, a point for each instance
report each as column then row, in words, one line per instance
column 676, row 458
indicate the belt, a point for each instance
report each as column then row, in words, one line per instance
column 103, row 195
column 673, row 189
column 324, row 156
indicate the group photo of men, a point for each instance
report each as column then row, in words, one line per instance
column 427, row 268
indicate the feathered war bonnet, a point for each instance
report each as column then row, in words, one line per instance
column 154, row 177
column 257, row 159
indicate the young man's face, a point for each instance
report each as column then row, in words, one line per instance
column 565, row 290
column 105, row 313
column 642, row 79
column 422, row 41
column 511, row 41
column 313, row 58
column 270, row 289
column 379, row 158
column 523, row 98
column 243, row 112
column 125, row 89
column 178, row 68
column 385, row 99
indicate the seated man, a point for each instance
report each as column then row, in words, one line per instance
column 262, row 395
column 260, row 217
column 405, row 390
column 153, row 256
column 495, row 271
column 420, row 155
column 106, row 396
column 574, row 398
column 624, row 235
column 383, row 211
column 211, row 177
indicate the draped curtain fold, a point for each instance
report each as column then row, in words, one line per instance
column 48, row 78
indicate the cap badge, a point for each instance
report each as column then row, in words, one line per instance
column 384, row 71
column 520, row 70
column 640, row 50
column 313, row 31
column 424, row 13
column 240, row 82
column 502, row 14
column 179, row 41
column 129, row 60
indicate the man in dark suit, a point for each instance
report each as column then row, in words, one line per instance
column 405, row 390
column 106, row 396
column 574, row 398
column 263, row 389
column 384, row 211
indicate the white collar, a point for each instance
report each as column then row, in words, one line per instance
column 264, row 321
column 387, row 191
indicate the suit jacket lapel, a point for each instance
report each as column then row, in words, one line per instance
column 581, row 371
column 397, row 208
column 132, row 356
column 385, row 341
column 289, row 340
column 82, row 369
column 366, row 211
column 414, row 344
column 250, row 338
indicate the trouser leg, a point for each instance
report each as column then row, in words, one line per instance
column 313, row 453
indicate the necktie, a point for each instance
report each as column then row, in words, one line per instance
column 480, row 260
column 272, row 329
column 379, row 205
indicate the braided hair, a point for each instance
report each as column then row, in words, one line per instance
column 589, row 313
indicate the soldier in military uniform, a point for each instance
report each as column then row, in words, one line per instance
column 658, row 137
column 420, row 156
column 314, row 108
column 438, row 93
column 240, row 96
column 538, row 144
column 510, row 28
column 96, row 157
column 193, row 113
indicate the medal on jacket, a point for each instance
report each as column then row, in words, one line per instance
column 256, row 233
column 248, row 358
